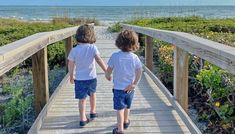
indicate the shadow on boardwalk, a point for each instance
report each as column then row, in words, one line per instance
column 151, row 113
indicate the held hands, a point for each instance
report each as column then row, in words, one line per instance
column 130, row 88
column 71, row 80
column 109, row 78
column 108, row 73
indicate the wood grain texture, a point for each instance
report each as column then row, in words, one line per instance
column 216, row 53
column 68, row 47
column 183, row 115
column 40, row 79
column 40, row 118
column 14, row 53
column 149, row 52
column 181, row 77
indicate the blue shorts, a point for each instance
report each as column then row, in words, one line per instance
column 121, row 99
column 83, row 88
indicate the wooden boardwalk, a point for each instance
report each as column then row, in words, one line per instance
column 151, row 111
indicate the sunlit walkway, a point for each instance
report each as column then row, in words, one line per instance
column 151, row 111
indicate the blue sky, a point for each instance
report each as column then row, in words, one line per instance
column 117, row 2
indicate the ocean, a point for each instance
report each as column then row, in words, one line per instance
column 113, row 13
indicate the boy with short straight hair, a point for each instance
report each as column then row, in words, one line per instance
column 126, row 68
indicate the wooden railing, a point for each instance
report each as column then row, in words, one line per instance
column 35, row 46
column 215, row 53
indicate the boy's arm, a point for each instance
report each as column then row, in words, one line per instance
column 108, row 73
column 71, row 66
column 100, row 62
column 131, row 87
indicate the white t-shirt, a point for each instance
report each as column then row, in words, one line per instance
column 124, row 65
column 83, row 55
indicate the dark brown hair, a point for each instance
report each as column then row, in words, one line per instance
column 127, row 41
column 85, row 34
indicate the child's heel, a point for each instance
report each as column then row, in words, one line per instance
column 93, row 116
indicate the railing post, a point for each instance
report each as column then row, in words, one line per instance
column 68, row 47
column 40, row 79
column 149, row 52
column 181, row 77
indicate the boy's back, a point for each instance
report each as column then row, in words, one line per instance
column 126, row 68
column 83, row 55
column 124, row 65
column 83, row 58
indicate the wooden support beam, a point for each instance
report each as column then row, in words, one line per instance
column 68, row 47
column 149, row 52
column 40, row 79
column 181, row 77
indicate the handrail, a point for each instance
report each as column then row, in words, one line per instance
column 14, row 53
column 35, row 46
column 214, row 52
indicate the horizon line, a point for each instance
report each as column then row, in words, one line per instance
column 117, row 5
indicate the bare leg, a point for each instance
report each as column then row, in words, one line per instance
column 120, row 119
column 93, row 103
column 82, row 109
column 126, row 115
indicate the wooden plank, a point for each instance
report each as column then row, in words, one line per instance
column 58, row 35
column 40, row 79
column 16, row 52
column 43, row 114
column 133, row 125
column 98, row 123
column 13, row 48
column 103, row 131
column 214, row 52
column 181, row 77
column 13, row 57
column 149, row 52
column 188, row 122
column 68, row 47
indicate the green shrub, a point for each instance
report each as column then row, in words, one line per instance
column 16, row 107
column 211, row 78
column 12, row 30
column 56, row 54
column 115, row 28
column 55, row 77
column 219, row 85
column 74, row 21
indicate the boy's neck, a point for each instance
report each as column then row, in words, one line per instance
column 126, row 51
column 79, row 43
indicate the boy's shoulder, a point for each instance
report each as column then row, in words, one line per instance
column 120, row 54
column 81, row 46
column 133, row 54
column 115, row 53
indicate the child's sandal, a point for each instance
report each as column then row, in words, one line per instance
column 115, row 131
column 93, row 116
column 126, row 125
column 83, row 123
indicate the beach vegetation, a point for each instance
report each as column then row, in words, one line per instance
column 74, row 21
column 17, row 107
column 211, row 89
column 115, row 27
